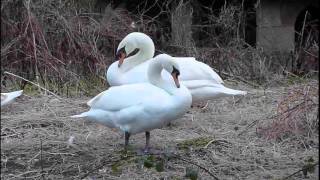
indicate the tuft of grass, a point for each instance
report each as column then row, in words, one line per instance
column 191, row 173
column 194, row 143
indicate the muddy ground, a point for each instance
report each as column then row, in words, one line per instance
column 40, row 141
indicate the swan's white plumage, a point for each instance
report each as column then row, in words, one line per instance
column 140, row 107
column 7, row 98
column 198, row 77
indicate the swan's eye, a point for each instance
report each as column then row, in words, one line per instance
column 176, row 71
column 135, row 51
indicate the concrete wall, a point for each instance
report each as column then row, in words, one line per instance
column 276, row 23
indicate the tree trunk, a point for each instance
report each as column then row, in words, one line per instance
column 181, row 21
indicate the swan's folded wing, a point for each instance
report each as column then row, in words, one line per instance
column 195, row 84
column 196, row 70
column 120, row 97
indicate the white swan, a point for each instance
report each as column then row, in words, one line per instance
column 7, row 98
column 199, row 78
column 141, row 107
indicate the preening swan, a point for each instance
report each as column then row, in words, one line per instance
column 7, row 98
column 199, row 78
column 142, row 107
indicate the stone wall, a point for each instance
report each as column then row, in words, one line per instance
column 276, row 23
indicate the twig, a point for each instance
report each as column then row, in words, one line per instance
column 41, row 161
column 303, row 169
column 249, row 126
column 6, row 72
column 98, row 167
column 193, row 163
column 22, row 174
column 287, row 113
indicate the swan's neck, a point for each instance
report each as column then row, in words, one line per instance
column 146, row 52
column 155, row 77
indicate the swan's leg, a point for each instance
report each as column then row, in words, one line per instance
column 126, row 140
column 146, row 149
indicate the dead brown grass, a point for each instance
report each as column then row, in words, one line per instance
column 39, row 140
column 297, row 114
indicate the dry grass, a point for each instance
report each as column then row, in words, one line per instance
column 39, row 140
column 297, row 114
column 65, row 47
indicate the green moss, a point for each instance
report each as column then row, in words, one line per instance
column 126, row 157
column 293, row 79
column 149, row 161
column 125, row 153
column 194, row 143
column 88, row 86
column 146, row 161
column 176, row 178
column 116, row 168
column 309, row 166
column 159, row 166
column 191, row 173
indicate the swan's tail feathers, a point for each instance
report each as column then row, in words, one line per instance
column 15, row 94
column 8, row 97
column 82, row 115
column 234, row 92
column 92, row 101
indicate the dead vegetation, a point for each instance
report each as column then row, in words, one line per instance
column 65, row 47
column 41, row 141
column 297, row 115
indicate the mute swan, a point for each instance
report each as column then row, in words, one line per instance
column 141, row 107
column 199, row 78
column 7, row 98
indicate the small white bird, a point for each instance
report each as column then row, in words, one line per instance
column 142, row 107
column 7, row 98
column 203, row 83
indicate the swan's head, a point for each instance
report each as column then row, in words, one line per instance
column 133, row 43
column 171, row 66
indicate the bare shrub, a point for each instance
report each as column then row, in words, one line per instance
column 56, row 43
column 60, row 44
column 297, row 115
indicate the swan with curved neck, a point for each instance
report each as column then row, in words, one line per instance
column 199, row 78
column 139, row 41
column 135, row 108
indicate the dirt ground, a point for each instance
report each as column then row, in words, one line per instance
column 40, row 141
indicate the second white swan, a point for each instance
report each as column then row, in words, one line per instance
column 199, row 78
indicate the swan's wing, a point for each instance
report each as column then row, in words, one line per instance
column 120, row 97
column 195, row 84
column 8, row 97
column 191, row 69
column 213, row 87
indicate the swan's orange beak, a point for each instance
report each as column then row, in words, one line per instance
column 175, row 78
column 121, row 56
